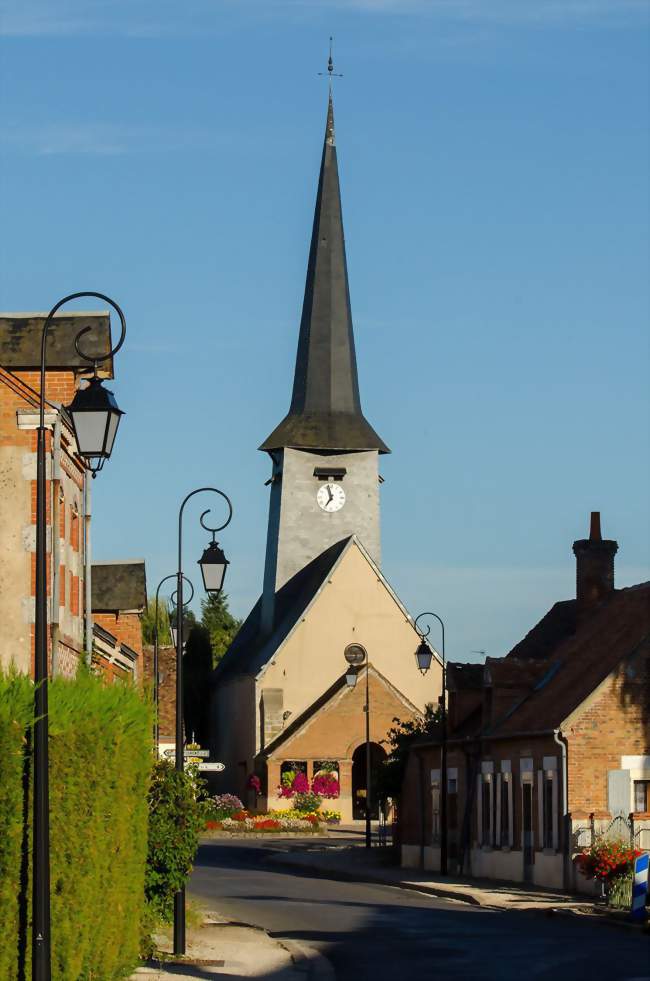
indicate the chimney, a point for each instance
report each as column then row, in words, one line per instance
column 594, row 566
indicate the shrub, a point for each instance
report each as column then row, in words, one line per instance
column 176, row 819
column 100, row 762
column 222, row 806
column 308, row 801
column 332, row 817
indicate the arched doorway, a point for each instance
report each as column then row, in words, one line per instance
column 377, row 756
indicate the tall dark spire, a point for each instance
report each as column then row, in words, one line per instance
column 325, row 411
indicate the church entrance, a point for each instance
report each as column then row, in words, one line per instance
column 377, row 755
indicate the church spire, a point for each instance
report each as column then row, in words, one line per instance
column 325, row 411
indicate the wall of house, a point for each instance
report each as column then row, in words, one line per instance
column 235, row 714
column 614, row 722
column 353, row 606
column 18, row 421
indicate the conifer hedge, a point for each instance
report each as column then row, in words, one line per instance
column 100, row 765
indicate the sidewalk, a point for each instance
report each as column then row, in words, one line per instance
column 353, row 862
column 220, row 948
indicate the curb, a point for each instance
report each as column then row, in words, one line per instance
column 455, row 896
column 308, row 959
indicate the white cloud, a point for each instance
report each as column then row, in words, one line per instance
column 147, row 18
column 102, row 139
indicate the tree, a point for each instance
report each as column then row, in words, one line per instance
column 197, row 669
column 220, row 624
column 149, row 620
column 401, row 738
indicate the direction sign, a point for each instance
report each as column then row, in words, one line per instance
column 212, row 767
column 196, row 752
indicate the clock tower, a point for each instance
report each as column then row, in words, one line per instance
column 325, row 476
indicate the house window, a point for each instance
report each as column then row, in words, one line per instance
column 547, row 805
column 641, row 795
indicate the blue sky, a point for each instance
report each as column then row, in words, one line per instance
column 494, row 169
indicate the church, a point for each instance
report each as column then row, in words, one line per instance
column 282, row 708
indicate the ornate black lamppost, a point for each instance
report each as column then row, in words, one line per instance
column 213, row 565
column 95, row 418
column 356, row 655
column 156, row 649
column 424, row 656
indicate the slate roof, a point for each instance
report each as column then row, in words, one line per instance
column 251, row 649
column 118, row 586
column 20, row 340
column 325, row 411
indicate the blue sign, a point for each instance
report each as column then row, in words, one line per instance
column 639, row 887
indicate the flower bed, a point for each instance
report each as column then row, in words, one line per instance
column 275, row 821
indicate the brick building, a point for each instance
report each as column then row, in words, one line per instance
column 545, row 742
column 68, row 498
column 166, row 694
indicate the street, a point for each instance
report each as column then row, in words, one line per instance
column 379, row 933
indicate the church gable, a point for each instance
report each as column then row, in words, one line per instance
column 353, row 604
column 335, row 724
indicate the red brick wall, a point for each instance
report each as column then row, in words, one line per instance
column 615, row 723
column 167, row 692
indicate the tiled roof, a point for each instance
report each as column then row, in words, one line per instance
column 555, row 626
column 580, row 662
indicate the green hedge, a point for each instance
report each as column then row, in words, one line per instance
column 100, row 765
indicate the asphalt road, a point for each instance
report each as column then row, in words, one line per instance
column 379, row 933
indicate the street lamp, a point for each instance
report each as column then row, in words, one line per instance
column 356, row 655
column 156, row 659
column 213, row 577
column 213, row 562
column 94, row 442
column 424, row 656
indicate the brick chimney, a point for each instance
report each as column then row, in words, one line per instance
column 594, row 566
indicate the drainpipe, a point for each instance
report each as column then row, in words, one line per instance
column 562, row 743
column 88, row 612
column 55, row 490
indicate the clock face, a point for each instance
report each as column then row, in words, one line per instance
column 330, row 497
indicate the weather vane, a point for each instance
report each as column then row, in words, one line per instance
column 330, row 68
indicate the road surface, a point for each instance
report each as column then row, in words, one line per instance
column 379, row 933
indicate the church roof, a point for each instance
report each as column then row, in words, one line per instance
column 252, row 649
column 325, row 411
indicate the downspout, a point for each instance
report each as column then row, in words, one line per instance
column 55, row 490
column 566, row 835
column 88, row 612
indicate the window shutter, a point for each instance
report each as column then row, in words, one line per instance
column 479, row 809
column 540, row 809
column 618, row 792
column 497, row 830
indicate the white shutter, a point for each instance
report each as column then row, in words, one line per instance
column 540, row 809
column 497, row 790
column 511, row 815
column 618, row 792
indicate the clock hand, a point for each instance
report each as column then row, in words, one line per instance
column 329, row 491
